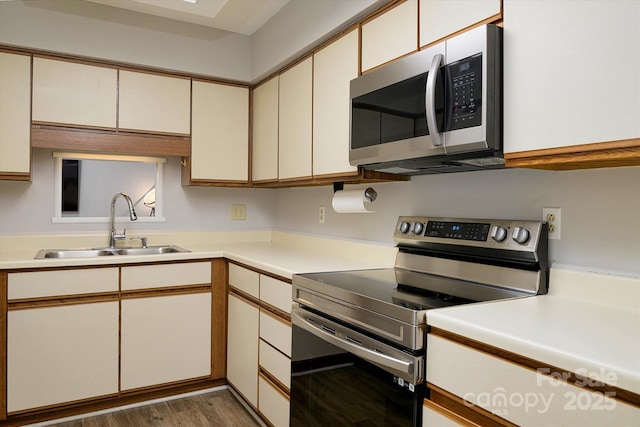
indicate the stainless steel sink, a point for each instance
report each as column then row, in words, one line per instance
column 151, row 250
column 100, row 252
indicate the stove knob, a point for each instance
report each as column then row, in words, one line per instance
column 498, row 233
column 404, row 227
column 418, row 228
column 520, row 235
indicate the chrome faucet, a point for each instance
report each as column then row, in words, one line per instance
column 132, row 214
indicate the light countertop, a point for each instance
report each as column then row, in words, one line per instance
column 589, row 324
column 282, row 254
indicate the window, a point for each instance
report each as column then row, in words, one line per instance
column 86, row 183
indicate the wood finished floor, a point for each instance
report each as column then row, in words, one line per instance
column 218, row 408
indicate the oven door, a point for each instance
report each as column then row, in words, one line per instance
column 342, row 377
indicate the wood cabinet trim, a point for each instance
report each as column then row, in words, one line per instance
column 15, row 176
column 257, row 270
column 541, row 368
column 447, row 413
column 275, row 314
column 219, row 280
column 473, row 414
column 273, row 381
column 166, row 291
column 249, row 299
column 109, row 141
column 585, row 156
column 61, row 301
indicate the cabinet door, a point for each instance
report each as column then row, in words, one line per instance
column 61, row 354
column 165, row 339
column 295, row 118
column 265, row 131
column 499, row 386
column 15, row 114
column 242, row 347
column 441, row 18
column 333, row 69
column 74, row 94
column 390, row 35
column 274, row 405
column 153, row 103
column 220, row 132
column 556, row 92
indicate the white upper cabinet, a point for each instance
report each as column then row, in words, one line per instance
column 441, row 18
column 295, row 117
column 15, row 113
column 220, row 132
column 333, row 69
column 571, row 73
column 390, row 35
column 68, row 93
column 154, row 103
column 265, row 131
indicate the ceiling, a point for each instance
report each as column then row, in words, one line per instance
column 238, row 16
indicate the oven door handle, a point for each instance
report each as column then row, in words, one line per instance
column 400, row 366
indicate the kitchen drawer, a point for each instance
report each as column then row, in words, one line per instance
column 435, row 415
column 272, row 403
column 275, row 331
column 520, row 395
column 276, row 293
column 38, row 284
column 166, row 275
column 245, row 280
column 276, row 363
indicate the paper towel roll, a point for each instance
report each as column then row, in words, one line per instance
column 353, row 201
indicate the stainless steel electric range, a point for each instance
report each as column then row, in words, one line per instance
column 359, row 337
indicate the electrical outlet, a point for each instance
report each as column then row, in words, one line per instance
column 239, row 212
column 321, row 214
column 553, row 217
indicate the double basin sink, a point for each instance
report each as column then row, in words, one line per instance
column 100, row 252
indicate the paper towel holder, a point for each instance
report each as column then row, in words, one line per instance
column 370, row 194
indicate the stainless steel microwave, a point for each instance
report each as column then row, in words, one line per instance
column 438, row 110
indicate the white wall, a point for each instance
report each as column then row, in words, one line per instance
column 298, row 27
column 27, row 208
column 99, row 31
column 600, row 209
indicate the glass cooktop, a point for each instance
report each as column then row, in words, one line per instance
column 380, row 285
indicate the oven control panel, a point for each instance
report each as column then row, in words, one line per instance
column 489, row 233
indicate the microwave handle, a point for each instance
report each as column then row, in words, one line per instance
column 430, row 99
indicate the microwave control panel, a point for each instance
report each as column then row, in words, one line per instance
column 465, row 84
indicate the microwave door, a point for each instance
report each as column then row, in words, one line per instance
column 389, row 120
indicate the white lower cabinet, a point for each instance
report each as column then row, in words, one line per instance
column 517, row 394
column 61, row 354
column 165, row 339
column 242, row 347
column 259, row 343
column 274, row 404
